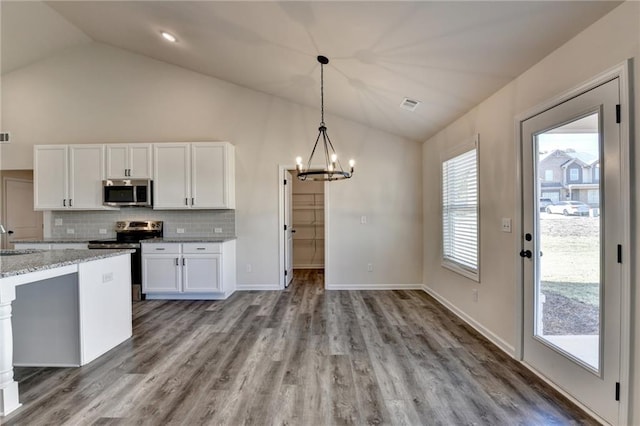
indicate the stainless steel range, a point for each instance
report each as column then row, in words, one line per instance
column 128, row 235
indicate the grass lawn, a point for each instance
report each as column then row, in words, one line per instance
column 570, row 262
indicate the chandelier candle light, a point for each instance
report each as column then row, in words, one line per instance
column 333, row 169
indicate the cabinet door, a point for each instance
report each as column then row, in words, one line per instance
column 208, row 185
column 201, row 273
column 171, row 170
column 86, row 174
column 50, row 177
column 161, row 274
column 117, row 160
column 140, row 166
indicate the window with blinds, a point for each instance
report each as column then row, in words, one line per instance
column 460, row 242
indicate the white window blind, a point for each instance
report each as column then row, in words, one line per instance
column 460, row 213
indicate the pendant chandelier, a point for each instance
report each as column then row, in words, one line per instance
column 332, row 168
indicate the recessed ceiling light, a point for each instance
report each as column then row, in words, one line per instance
column 409, row 104
column 168, row 36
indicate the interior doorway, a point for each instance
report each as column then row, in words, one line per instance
column 303, row 227
column 18, row 217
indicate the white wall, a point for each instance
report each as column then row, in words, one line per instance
column 605, row 44
column 96, row 93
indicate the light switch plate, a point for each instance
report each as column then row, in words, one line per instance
column 506, row 224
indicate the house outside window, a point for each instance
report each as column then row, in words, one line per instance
column 596, row 173
column 548, row 175
column 574, row 174
column 460, row 214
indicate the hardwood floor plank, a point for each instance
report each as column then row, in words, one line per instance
column 302, row 356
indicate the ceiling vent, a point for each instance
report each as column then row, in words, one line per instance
column 4, row 137
column 409, row 104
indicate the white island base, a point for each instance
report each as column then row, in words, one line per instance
column 64, row 316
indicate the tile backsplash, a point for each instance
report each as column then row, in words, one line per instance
column 195, row 223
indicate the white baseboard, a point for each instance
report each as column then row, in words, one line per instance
column 373, row 286
column 493, row 338
column 251, row 287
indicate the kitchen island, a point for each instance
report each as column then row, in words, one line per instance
column 60, row 308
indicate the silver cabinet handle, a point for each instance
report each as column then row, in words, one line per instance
column 192, row 202
column 200, row 248
column 160, row 248
column 177, row 263
column 64, row 202
column 186, row 201
column 70, row 202
column 184, row 262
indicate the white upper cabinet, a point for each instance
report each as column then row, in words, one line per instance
column 199, row 175
column 68, row 177
column 129, row 161
column 171, row 186
column 50, row 177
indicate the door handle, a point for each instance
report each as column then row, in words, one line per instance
column 526, row 253
column 9, row 232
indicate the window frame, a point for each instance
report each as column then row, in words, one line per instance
column 448, row 263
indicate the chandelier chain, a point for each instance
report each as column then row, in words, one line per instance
column 321, row 94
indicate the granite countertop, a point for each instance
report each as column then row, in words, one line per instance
column 39, row 260
column 188, row 240
column 55, row 241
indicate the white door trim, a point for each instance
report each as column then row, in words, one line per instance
column 621, row 71
column 281, row 239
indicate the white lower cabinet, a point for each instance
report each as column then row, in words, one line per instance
column 188, row 270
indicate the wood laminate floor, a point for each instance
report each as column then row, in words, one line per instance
column 303, row 356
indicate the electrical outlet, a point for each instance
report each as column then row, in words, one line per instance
column 102, row 231
column 475, row 294
column 180, row 230
column 370, row 267
column 217, row 230
column 363, row 220
column 71, row 231
column 107, row 276
column 58, row 221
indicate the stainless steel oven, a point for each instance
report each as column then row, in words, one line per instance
column 128, row 235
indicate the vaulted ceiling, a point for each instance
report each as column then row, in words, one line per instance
column 448, row 55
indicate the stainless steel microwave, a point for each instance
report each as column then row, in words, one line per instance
column 127, row 192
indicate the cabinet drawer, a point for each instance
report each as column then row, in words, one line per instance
column 160, row 248
column 195, row 248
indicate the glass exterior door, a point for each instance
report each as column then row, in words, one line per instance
column 568, row 284
column 571, row 231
